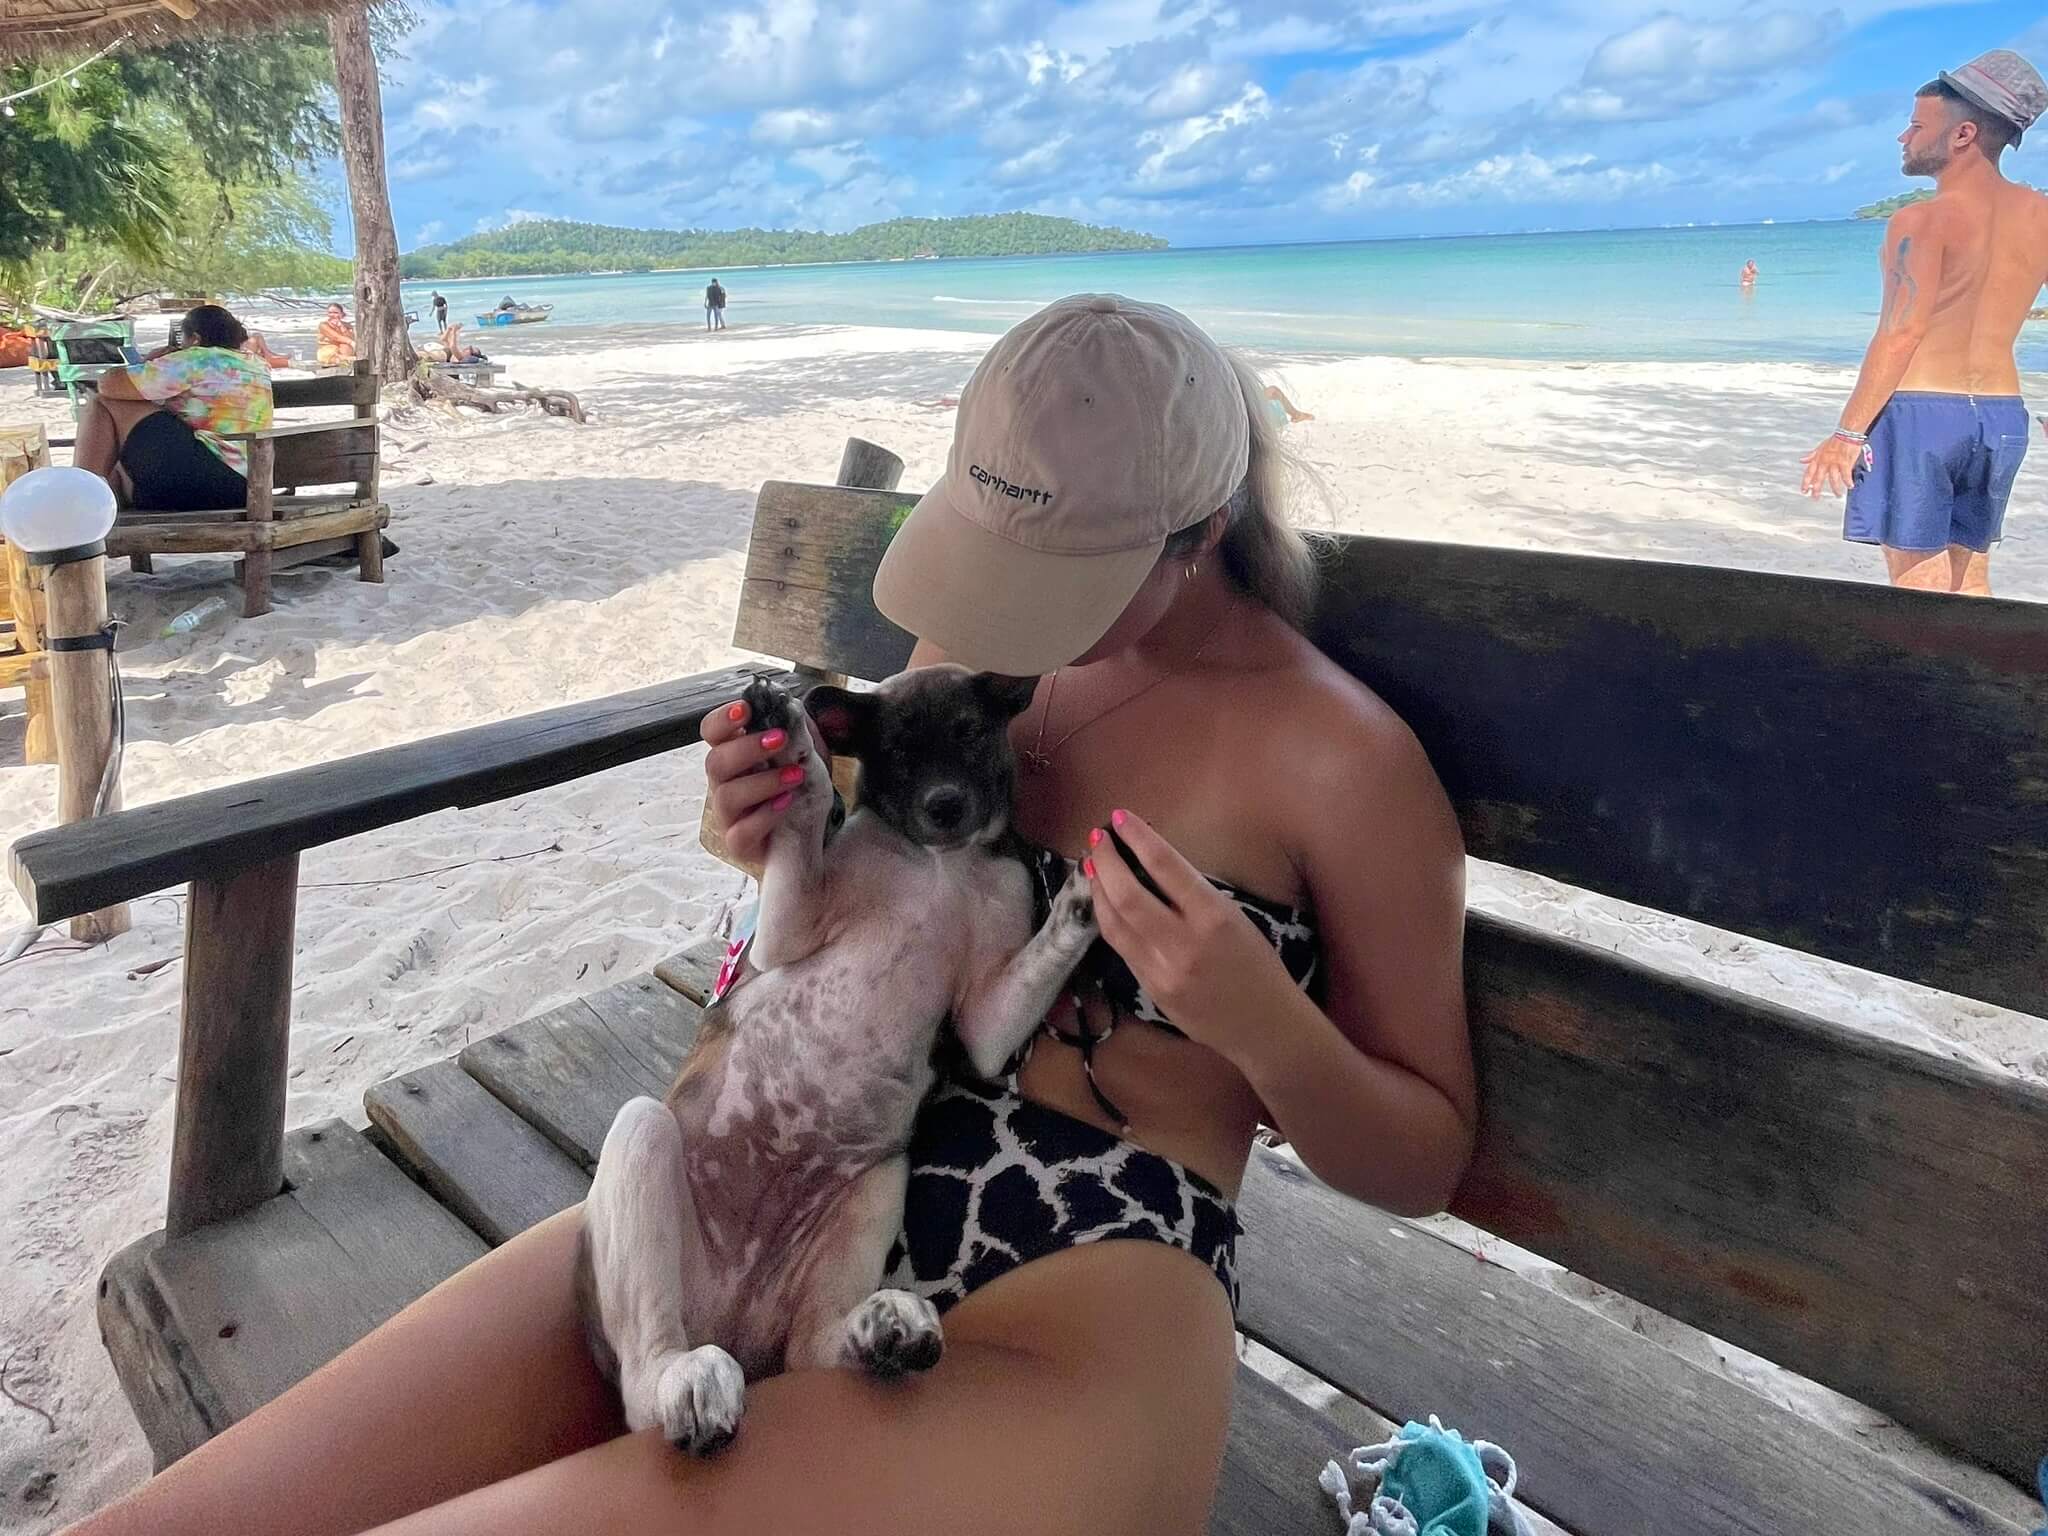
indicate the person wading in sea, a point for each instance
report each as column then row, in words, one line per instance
column 1932, row 437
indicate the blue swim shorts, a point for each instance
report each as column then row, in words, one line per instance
column 1938, row 471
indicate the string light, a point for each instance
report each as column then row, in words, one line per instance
column 7, row 102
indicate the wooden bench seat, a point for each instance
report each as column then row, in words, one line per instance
column 1847, row 769
column 280, row 525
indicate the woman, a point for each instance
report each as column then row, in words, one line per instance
column 158, row 432
column 335, row 346
column 1110, row 517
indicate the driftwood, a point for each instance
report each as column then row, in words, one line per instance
column 439, row 386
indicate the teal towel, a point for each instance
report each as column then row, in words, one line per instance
column 1426, row 1481
column 1437, row 1478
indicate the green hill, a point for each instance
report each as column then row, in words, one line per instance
column 1892, row 205
column 557, row 245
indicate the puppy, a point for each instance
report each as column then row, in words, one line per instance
column 741, row 1227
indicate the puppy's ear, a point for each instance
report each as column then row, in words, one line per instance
column 1009, row 695
column 846, row 720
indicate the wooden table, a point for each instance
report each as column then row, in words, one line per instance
column 23, row 663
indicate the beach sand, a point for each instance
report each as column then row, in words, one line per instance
column 544, row 563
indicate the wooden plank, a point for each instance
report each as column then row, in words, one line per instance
column 567, row 1072
column 113, row 858
column 694, row 971
column 1614, row 1435
column 1838, row 766
column 300, row 554
column 213, row 534
column 480, row 1159
column 308, row 394
column 810, row 564
column 1277, row 1448
column 82, row 716
column 172, row 1400
column 351, row 517
column 234, row 1044
column 1873, row 1216
column 266, row 1298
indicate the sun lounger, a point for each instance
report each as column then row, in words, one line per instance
column 1843, row 768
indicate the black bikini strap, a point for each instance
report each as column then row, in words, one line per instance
column 1085, row 1043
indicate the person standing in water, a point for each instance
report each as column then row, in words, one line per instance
column 1933, row 435
column 1749, row 273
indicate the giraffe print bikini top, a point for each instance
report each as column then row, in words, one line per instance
column 1291, row 930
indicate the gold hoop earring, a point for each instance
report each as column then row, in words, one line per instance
column 1192, row 569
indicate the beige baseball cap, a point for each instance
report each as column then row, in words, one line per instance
column 1090, row 433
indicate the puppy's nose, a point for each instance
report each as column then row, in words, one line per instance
column 943, row 806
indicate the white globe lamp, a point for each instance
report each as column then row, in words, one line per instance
column 57, row 515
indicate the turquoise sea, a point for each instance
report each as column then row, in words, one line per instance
column 1654, row 294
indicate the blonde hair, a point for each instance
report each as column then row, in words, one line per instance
column 1262, row 551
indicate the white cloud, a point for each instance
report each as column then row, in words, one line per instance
column 429, row 232
column 1837, row 171
column 1034, row 164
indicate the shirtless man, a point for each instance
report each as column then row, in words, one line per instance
column 1932, row 437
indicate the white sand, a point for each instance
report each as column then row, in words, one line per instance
column 545, row 563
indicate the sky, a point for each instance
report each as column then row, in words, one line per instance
column 1209, row 122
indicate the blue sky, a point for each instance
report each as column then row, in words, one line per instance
column 1206, row 121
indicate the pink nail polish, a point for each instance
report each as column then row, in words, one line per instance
column 772, row 740
column 1088, row 868
column 735, row 712
column 782, row 801
column 793, row 774
column 1118, row 818
column 1095, row 837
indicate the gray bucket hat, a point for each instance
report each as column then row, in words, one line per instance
column 2003, row 83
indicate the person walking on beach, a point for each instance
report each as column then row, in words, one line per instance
column 440, row 311
column 714, row 307
column 1932, row 437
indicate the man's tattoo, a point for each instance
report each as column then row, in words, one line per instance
column 1901, row 289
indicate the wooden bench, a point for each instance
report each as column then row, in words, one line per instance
column 24, row 663
column 482, row 374
column 1844, row 768
column 281, row 524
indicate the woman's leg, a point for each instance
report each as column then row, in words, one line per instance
column 485, row 1376
column 1089, row 1395
column 103, row 426
column 1087, row 1391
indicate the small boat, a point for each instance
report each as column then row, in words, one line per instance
column 524, row 314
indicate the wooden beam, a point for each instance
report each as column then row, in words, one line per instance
column 234, row 1044
column 1871, row 1215
column 222, row 831
column 82, row 712
column 1614, row 1434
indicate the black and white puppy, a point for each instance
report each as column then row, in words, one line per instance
column 741, row 1227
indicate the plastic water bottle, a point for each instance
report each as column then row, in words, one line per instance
column 192, row 618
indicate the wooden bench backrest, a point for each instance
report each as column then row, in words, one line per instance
column 1838, row 767
column 343, row 457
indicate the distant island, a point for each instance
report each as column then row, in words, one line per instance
column 560, row 246
column 1892, row 205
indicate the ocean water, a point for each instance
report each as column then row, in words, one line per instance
column 1651, row 294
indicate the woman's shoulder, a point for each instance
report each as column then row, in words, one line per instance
column 1331, row 729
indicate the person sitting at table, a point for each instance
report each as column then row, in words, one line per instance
column 337, row 340
column 157, row 432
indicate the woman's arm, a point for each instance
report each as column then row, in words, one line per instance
column 1377, row 1093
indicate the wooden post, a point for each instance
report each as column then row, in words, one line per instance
column 21, row 599
column 82, row 709
column 869, row 466
column 262, row 510
column 227, row 1143
column 862, row 466
column 381, row 334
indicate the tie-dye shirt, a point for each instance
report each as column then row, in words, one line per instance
column 212, row 390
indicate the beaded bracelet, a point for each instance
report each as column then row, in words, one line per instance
column 1851, row 437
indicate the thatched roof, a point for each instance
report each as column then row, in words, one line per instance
column 36, row 28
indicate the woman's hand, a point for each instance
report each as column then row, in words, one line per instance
column 1201, row 959
column 744, row 792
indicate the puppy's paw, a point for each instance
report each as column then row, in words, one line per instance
column 770, row 708
column 893, row 1333
column 699, row 1395
column 1072, row 920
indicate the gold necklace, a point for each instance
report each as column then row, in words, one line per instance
column 1037, row 758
